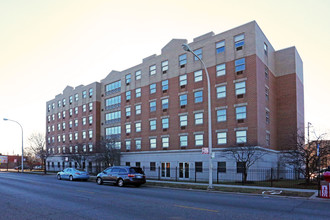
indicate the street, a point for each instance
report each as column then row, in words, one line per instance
column 27, row 196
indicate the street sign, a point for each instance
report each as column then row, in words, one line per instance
column 205, row 150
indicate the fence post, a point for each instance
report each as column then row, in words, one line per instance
column 158, row 173
column 217, row 176
column 195, row 175
column 176, row 173
column 271, row 177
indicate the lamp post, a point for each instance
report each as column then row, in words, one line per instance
column 22, row 165
column 188, row 49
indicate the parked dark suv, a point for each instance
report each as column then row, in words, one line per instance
column 122, row 175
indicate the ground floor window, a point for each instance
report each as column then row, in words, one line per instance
column 166, row 170
column 128, row 164
column 199, row 167
column 240, row 167
column 221, row 167
column 152, row 166
column 184, row 170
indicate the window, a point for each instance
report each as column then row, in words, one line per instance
column 183, row 141
column 128, row 79
column 240, row 65
column 59, row 138
column 220, row 47
column 266, row 49
column 90, row 119
column 90, row 92
column 138, row 92
column 84, row 108
column 111, row 103
column 183, row 100
column 199, row 167
column 112, row 88
column 63, row 126
column 221, row 115
column 198, row 96
column 76, row 110
column 84, row 121
column 267, row 117
column 183, row 120
column 152, row 124
column 138, row 144
column 152, row 106
column 266, row 73
column 152, row 142
column 240, row 89
column 63, row 138
column 59, row 103
column 63, row 102
column 198, row 76
column 76, row 122
column 165, row 142
column 59, row 115
column 152, row 166
column 221, row 69
column 84, row 94
column 241, row 166
column 90, row 105
column 221, row 92
column 138, row 109
column 112, row 117
column 183, row 60
column 76, row 136
column 152, row 70
column 138, row 75
column 198, row 118
column 199, row 139
column 267, row 139
column 164, row 104
column 128, row 111
column 222, row 137
column 53, row 105
column 241, row 113
column 70, row 112
column 70, row 152
column 116, row 130
column 128, row 95
column 267, row 93
column 84, row 134
column 138, row 127
column 128, row 144
column 240, row 137
column 90, row 134
column 152, row 88
column 128, row 128
column 239, row 41
column 183, row 80
column 165, row 85
column 165, row 123
column 76, row 151
column 222, row 167
column 70, row 124
column 63, row 114
column 76, row 97
column 84, row 148
column 48, row 108
column 90, row 146
column 165, row 66
column 70, row 99
column 199, row 53
column 63, row 150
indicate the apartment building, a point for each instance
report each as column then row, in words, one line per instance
column 157, row 110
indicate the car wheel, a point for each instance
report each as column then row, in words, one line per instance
column 120, row 183
column 71, row 178
column 59, row 177
column 99, row 181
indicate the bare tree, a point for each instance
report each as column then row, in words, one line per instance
column 80, row 155
column 302, row 153
column 37, row 146
column 108, row 153
column 246, row 156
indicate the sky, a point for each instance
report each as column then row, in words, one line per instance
column 46, row 45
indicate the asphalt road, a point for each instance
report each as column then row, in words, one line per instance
column 26, row 196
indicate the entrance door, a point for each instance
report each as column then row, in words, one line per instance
column 184, row 170
column 166, row 170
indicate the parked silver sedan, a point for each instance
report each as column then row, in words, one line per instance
column 72, row 174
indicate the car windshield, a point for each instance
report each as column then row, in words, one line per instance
column 136, row 170
column 78, row 170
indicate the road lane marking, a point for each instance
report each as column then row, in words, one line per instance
column 85, row 191
column 201, row 209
